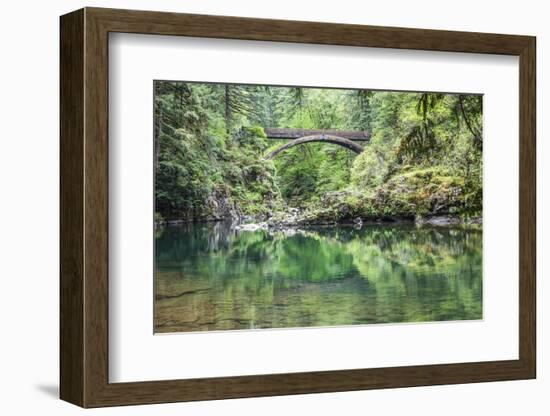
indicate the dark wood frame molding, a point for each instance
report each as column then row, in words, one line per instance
column 84, row 208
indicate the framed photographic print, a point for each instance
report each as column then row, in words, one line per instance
column 255, row 207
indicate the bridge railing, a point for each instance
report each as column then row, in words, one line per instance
column 284, row 133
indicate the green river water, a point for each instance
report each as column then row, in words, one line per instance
column 210, row 277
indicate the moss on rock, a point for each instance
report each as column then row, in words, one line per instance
column 413, row 193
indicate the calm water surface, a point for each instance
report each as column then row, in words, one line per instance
column 210, row 277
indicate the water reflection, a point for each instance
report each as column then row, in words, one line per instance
column 210, row 277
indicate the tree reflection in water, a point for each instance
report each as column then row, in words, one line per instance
column 210, row 277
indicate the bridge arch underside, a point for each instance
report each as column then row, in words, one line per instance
column 323, row 138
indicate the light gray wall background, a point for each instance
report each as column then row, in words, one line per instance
column 29, row 224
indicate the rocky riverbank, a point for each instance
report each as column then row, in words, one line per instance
column 416, row 197
column 295, row 219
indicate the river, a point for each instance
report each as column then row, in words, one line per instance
column 210, row 277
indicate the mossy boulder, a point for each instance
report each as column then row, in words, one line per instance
column 422, row 192
column 406, row 196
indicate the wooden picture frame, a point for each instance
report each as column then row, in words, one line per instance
column 84, row 207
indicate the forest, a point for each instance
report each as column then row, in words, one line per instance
column 423, row 159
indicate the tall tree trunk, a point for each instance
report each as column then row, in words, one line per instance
column 158, row 132
column 471, row 128
column 227, row 108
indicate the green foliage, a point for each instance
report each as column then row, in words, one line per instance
column 424, row 156
column 370, row 168
column 203, row 172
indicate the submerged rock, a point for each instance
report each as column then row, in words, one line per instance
column 251, row 227
column 441, row 220
column 288, row 232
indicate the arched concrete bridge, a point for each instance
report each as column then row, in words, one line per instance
column 347, row 139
